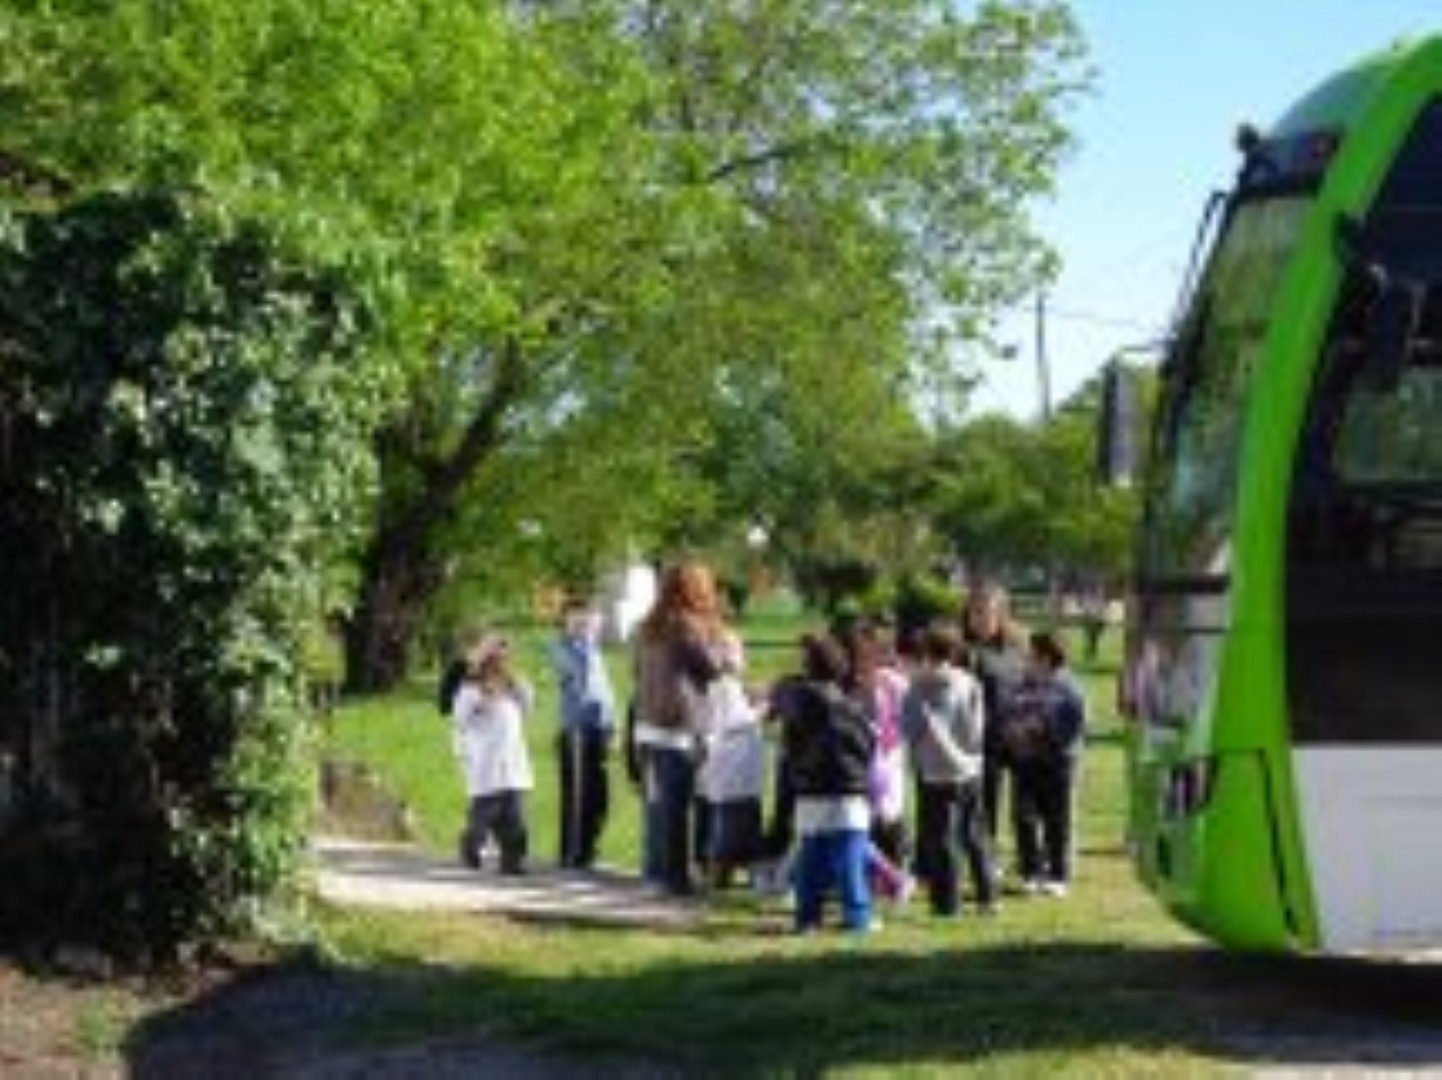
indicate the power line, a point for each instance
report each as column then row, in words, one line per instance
column 1097, row 318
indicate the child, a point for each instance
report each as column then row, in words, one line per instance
column 880, row 686
column 490, row 746
column 1048, row 737
column 732, row 776
column 587, row 720
column 944, row 721
column 829, row 746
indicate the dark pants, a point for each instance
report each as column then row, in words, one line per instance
column 995, row 765
column 585, row 792
column 501, row 816
column 781, row 831
column 891, row 840
column 1044, row 818
column 950, row 827
column 669, row 777
column 833, row 858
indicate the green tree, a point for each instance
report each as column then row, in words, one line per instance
column 584, row 225
column 1014, row 497
column 882, row 156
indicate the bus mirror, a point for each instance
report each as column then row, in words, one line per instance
column 1392, row 325
column 1116, row 427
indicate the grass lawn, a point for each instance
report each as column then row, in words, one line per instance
column 1073, row 984
column 1099, row 984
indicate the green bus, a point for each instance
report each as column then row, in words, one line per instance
column 1284, row 656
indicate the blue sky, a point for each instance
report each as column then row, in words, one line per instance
column 1175, row 79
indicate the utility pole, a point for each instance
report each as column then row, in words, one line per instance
column 1043, row 366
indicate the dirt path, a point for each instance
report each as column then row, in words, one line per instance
column 366, row 873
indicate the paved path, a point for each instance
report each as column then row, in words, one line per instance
column 370, row 874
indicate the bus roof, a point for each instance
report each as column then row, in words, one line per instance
column 1338, row 101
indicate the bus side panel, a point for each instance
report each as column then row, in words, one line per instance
column 1217, row 868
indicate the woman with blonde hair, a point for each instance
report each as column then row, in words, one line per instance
column 682, row 647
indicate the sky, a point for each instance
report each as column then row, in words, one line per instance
column 1175, row 79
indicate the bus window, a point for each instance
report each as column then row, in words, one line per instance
column 1392, row 438
column 1364, row 546
column 1190, row 493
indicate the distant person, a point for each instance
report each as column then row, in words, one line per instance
column 997, row 656
column 679, row 653
column 944, row 720
column 588, row 720
column 732, row 775
column 879, row 684
column 1048, row 736
column 490, row 744
column 829, row 745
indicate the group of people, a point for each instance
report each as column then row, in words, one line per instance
column 948, row 718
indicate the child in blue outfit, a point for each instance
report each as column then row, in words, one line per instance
column 583, row 745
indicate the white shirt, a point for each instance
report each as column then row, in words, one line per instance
column 489, row 741
column 735, row 763
column 841, row 813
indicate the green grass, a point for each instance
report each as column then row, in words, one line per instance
column 1100, row 984
column 1048, row 985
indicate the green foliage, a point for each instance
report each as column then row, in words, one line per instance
column 1012, row 497
column 654, row 271
column 187, row 422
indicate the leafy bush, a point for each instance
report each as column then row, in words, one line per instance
column 185, row 435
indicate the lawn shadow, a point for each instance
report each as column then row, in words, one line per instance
column 794, row 1009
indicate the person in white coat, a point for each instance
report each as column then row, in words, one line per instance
column 490, row 744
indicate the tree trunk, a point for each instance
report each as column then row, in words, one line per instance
column 402, row 569
column 399, row 582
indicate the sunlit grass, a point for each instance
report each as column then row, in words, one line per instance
column 1048, row 985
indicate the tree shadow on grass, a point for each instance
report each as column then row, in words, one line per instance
column 799, row 1011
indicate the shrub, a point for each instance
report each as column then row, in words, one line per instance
column 184, row 427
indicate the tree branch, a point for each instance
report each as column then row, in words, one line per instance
column 748, row 162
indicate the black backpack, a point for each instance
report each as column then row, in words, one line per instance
column 450, row 685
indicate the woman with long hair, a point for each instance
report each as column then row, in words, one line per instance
column 681, row 648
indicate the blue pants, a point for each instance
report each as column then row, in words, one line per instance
column 670, row 786
column 827, row 859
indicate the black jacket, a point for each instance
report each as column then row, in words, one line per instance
column 828, row 741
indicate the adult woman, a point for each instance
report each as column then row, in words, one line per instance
column 681, row 648
column 998, row 659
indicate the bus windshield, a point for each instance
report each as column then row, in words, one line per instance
column 1192, row 482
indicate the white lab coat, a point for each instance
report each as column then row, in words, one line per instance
column 490, row 743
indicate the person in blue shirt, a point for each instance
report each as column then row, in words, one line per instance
column 587, row 720
column 1047, row 734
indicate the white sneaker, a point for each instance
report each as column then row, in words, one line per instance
column 1033, row 886
column 1054, row 888
column 905, row 891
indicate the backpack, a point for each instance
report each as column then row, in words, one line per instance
column 450, row 685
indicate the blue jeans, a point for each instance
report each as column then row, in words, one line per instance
column 670, row 787
column 833, row 858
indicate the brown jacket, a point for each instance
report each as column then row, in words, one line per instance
column 671, row 672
